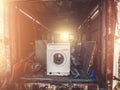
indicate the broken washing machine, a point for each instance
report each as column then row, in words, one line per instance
column 58, row 59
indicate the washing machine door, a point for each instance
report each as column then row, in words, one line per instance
column 58, row 58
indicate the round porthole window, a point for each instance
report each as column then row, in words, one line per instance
column 58, row 58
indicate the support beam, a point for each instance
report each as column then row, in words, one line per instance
column 32, row 18
column 110, row 31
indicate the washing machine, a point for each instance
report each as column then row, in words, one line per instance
column 58, row 59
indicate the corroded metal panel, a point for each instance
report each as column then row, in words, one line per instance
column 40, row 51
column 110, row 31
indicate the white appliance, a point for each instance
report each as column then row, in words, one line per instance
column 58, row 59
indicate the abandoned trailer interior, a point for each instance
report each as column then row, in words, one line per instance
column 61, row 44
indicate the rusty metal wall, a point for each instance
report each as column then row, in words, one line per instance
column 110, row 32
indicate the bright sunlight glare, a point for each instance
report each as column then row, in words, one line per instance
column 1, row 17
column 64, row 36
column 2, row 46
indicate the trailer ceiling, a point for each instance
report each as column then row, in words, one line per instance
column 57, row 12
